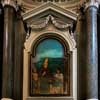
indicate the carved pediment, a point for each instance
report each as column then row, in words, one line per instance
column 66, row 4
column 44, row 22
column 50, row 14
column 49, row 8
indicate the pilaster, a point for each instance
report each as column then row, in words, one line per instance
column 81, row 42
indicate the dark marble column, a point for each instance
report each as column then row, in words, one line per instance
column 88, row 54
column 1, row 44
column 8, row 51
column 91, row 52
column 81, row 47
column 18, row 53
column 98, row 27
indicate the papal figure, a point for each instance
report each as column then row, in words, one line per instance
column 47, row 82
column 44, row 78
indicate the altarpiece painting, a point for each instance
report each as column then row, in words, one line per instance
column 50, row 70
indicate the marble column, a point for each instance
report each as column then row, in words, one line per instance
column 81, row 47
column 98, row 27
column 18, row 53
column 91, row 52
column 8, row 50
column 1, row 44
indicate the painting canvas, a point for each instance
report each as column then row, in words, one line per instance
column 48, row 69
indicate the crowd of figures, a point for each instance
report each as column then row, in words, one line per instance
column 43, row 82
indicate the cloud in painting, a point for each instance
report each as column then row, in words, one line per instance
column 53, row 53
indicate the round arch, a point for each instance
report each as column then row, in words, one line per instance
column 59, row 60
column 69, row 46
column 43, row 37
column 65, row 38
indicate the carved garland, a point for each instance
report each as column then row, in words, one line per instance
column 54, row 22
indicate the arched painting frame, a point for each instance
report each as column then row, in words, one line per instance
column 52, row 86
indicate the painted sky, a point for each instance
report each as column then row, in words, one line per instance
column 50, row 48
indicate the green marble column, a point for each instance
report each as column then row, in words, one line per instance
column 8, row 51
column 91, row 51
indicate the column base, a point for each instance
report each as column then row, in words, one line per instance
column 6, row 99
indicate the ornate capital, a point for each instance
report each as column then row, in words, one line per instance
column 92, row 3
column 10, row 2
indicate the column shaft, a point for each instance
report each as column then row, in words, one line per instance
column 8, row 52
column 91, row 53
column 98, row 27
column 1, row 44
column 81, row 48
column 18, row 61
